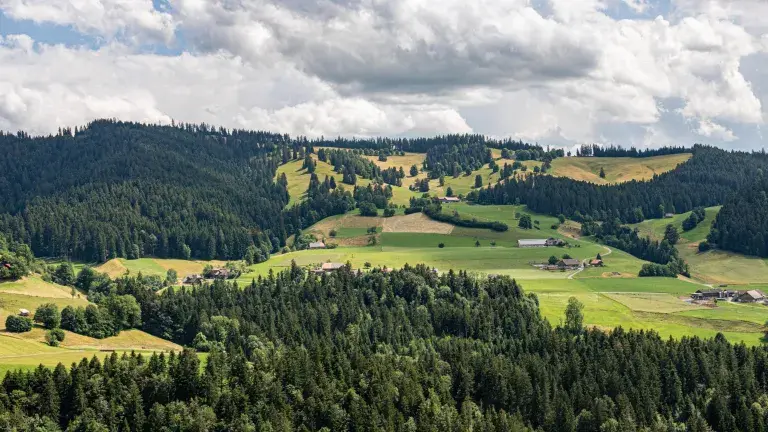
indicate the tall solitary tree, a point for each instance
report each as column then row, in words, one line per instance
column 602, row 173
column 478, row 181
column 574, row 317
column 414, row 171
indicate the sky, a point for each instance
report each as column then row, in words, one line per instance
column 643, row 73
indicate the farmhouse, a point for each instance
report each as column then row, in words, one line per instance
column 23, row 312
column 446, row 200
column 532, row 243
column 568, row 263
column 317, row 245
column 193, row 279
column 669, row 215
column 596, row 263
column 329, row 267
column 219, row 273
column 750, row 296
column 708, row 294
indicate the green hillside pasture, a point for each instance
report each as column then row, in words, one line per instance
column 153, row 266
column 617, row 261
column 606, row 313
column 298, row 182
column 11, row 303
column 721, row 267
column 654, row 228
column 396, row 250
column 728, row 311
column 617, row 169
column 19, row 354
column 652, row 302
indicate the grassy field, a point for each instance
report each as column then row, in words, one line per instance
column 712, row 267
column 153, row 266
column 649, row 304
column 617, row 170
column 298, row 181
column 27, row 350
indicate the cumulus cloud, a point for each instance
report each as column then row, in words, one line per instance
column 136, row 19
column 711, row 129
column 43, row 87
column 556, row 71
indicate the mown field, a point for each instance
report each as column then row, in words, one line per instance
column 617, row 170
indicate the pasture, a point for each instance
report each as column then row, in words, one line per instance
column 28, row 350
column 617, row 170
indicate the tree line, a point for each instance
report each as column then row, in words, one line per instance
column 709, row 178
column 594, row 150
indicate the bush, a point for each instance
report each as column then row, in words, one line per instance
column 332, row 233
column 441, row 245
column 704, row 246
column 18, row 324
column 48, row 315
column 54, row 336
column 368, row 209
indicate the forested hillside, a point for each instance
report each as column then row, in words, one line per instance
column 405, row 351
column 742, row 224
column 709, row 178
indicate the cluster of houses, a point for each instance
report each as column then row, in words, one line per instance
column 217, row 273
column 748, row 296
column 540, row 243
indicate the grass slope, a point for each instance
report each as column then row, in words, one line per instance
column 153, row 266
column 28, row 350
column 617, row 170
column 712, row 267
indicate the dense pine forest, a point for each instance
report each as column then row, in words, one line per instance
column 404, row 351
column 709, row 178
column 742, row 224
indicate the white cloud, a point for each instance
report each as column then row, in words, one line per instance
column 563, row 73
column 51, row 86
column 710, row 129
column 136, row 19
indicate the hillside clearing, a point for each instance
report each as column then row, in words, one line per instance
column 415, row 223
column 617, row 169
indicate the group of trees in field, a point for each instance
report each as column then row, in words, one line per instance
column 453, row 160
column 16, row 259
column 697, row 216
column 404, row 351
column 615, row 151
column 709, row 178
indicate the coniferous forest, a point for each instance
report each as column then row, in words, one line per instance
column 403, row 351
column 742, row 224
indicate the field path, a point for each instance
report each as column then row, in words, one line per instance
column 584, row 265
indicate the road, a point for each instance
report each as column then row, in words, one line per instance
column 584, row 265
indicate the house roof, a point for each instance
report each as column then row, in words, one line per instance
column 755, row 294
column 596, row 261
column 532, row 242
column 332, row 266
column 450, row 199
column 316, row 245
column 711, row 291
column 571, row 262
